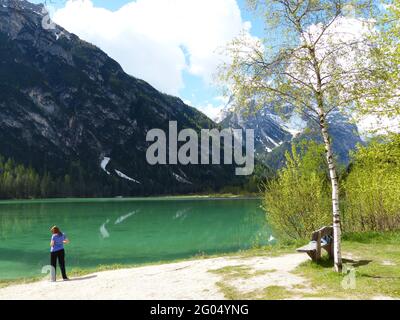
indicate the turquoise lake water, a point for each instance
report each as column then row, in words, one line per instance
column 125, row 231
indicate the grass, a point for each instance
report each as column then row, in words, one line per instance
column 239, row 272
column 6, row 283
column 275, row 293
column 268, row 293
column 371, row 269
column 244, row 272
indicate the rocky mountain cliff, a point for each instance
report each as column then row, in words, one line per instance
column 274, row 133
column 67, row 108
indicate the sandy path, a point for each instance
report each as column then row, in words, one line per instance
column 183, row 280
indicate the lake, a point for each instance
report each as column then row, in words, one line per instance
column 125, row 231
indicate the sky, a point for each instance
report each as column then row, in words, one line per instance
column 174, row 45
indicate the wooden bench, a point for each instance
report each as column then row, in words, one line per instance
column 321, row 239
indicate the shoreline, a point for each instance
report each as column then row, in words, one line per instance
column 132, row 199
column 265, row 273
column 199, row 279
column 271, row 251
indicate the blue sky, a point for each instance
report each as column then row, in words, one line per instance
column 191, row 82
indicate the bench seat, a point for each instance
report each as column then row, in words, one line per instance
column 312, row 246
column 313, row 249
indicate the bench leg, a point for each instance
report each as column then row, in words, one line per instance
column 318, row 254
column 329, row 249
column 312, row 255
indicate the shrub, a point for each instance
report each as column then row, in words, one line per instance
column 372, row 187
column 298, row 201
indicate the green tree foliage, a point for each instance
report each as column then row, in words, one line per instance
column 254, row 183
column 20, row 182
column 16, row 181
column 372, row 187
column 297, row 202
column 382, row 95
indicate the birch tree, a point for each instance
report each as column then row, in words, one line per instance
column 305, row 61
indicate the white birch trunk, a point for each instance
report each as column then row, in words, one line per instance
column 337, row 251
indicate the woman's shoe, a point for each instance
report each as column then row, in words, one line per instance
column 66, row 279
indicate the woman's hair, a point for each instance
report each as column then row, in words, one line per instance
column 55, row 230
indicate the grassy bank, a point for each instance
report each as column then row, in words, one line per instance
column 371, row 271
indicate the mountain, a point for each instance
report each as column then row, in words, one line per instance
column 66, row 108
column 275, row 133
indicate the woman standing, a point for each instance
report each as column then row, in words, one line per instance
column 58, row 239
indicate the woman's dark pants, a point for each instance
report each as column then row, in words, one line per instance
column 60, row 255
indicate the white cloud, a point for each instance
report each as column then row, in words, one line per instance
column 150, row 38
column 215, row 113
column 370, row 125
column 215, row 110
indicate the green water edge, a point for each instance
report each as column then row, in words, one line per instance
column 128, row 199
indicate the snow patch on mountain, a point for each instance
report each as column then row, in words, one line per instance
column 124, row 176
column 104, row 164
column 295, row 125
column 180, row 179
